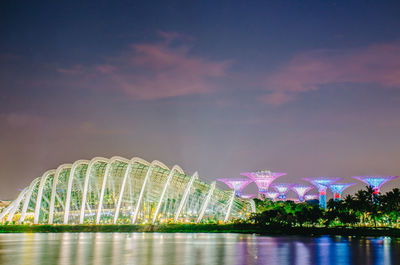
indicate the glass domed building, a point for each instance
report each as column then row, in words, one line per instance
column 122, row 191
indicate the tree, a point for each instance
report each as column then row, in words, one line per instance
column 390, row 204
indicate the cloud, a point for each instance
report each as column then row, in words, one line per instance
column 165, row 72
column 22, row 120
column 169, row 36
column 376, row 64
column 92, row 128
column 75, row 70
column 151, row 71
column 277, row 98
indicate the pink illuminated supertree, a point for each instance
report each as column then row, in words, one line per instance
column 237, row 184
column 301, row 190
column 271, row 195
column 263, row 178
column 338, row 188
column 309, row 197
column 322, row 184
column 248, row 196
column 282, row 189
column 375, row 181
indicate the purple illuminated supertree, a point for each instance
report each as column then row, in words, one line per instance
column 248, row 196
column 375, row 181
column 301, row 190
column 338, row 188
column 309, row 197
column 263, row 178
column 282, row 189
column 271, row 194
column 322, row 184
column 237, row 184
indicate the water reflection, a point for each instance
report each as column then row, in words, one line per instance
column 159, row 248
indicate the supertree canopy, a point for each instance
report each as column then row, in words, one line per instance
column 309, row 197
column 375, row 181
column 271, row 194
column 322, row 184
column 263, row 178
column 282, row 189
column 248, row 196
column 338, row 188
column 237, row 184
column 301, row 190
column 122, row 191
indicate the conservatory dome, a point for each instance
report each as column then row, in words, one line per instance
column 122, row 191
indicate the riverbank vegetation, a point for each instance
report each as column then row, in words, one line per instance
column 245, row 228
column 363, row 209
column 362, row 214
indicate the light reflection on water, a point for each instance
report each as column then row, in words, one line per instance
column 165, row 248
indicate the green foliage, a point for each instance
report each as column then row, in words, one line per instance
column 362, row 209
column 287, row 213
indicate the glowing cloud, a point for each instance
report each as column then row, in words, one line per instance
column 376, row 64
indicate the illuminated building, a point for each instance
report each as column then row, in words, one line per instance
column 338, row 188
column 122, row 191
column 322, row 184
column 237, row 184
column 282, row 189
column 301, row 190
column 263, row 178
column 375, row 181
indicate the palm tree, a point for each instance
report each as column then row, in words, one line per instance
column 390, row 204
column 366, row 204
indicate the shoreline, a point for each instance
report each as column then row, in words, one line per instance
column 207, row 228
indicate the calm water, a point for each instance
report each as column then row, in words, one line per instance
column 158, row 248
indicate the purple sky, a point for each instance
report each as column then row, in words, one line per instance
column 308, row 88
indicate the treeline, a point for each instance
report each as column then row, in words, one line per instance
column 163, row 228
column 364, row 208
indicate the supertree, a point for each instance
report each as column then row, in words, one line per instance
column 263, row 178
column 301, row 190
column 237, row 184
column 338, row 188
column 309, row 197
column 271, row 194
column 282, row 189
column 248, row 196
column 322, row 184
column 375, row 181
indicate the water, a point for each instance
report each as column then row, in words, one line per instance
column 179, row 248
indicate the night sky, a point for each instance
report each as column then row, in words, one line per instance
column 311, row 88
